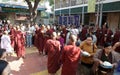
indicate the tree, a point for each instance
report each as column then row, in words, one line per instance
column 32, row 8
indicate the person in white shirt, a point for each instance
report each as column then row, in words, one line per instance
column 6, row 43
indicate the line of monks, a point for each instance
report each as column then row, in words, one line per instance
column 47, row 39
column 69, row 54
column 17, row 38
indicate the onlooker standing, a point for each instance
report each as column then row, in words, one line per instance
column 28, row 36
column 70, row 57
column 6, row 43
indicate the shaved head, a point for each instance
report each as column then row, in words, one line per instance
column 73, row 38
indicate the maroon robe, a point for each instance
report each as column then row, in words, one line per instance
column 64, row 34
column 52, row 47
column 20, row 44
column 40, row 41
column 36, row 38
column 70, row 59
column 12, row 36
column 98, row 35
column 108, row 37
column 83, row 33
column 102, row 40
column 47, row 35
column 116, row 37
column 118, row 49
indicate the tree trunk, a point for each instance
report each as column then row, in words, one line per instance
column 32, row 9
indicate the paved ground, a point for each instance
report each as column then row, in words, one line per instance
column 33, row 64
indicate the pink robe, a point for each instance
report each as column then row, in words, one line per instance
column 52, row 47
column 70, row 59
column 20, row 44
column 12, row 37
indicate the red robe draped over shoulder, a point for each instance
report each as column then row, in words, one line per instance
column 20, row 44
column 116, row 37
column 36, row 38
column 98, row 35
column 70, row 59
column 52, row 47
column 104, row 33
column 109, row 34
column 83, row 33
column 40, row 40
column 12, row 36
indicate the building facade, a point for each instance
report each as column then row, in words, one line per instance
column 108, row 9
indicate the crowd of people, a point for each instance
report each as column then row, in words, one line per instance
column 65, row 46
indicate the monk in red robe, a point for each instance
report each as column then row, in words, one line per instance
column 36, row 36
column 83, row 33
column 20, row 43
column 64, row 31
column 104, row 34
column 47, row 34
column 116, row 37
column 109, row 35
column 70, row 57
column 41, row 39
column 52, row 47
column 12, row 36
column 116, row 47
column 98, row 35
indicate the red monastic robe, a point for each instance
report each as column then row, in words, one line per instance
column 52, row 47
column 102, row 40
column 12, row 36
column 47, row 35
column 64, row 34
column 83, row 34
column 20, row 44
column 40, row 41
column 116, row 37
column 98, row 35
column 118, row 49
column 108, row 37
column 70, row 59
column 36, row 38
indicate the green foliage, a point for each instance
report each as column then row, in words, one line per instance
column 51, row 2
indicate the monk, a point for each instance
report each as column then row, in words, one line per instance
column 116, row 37
column 20, row 43
column 104, row 34
column 41, row 39
column 109, row 35
column 52, row 47
column 36, row 36
column 64, row 32
column 116, row 47
column 83, row 33
column 70, row 57
column 98, row 35
column 12, row 36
